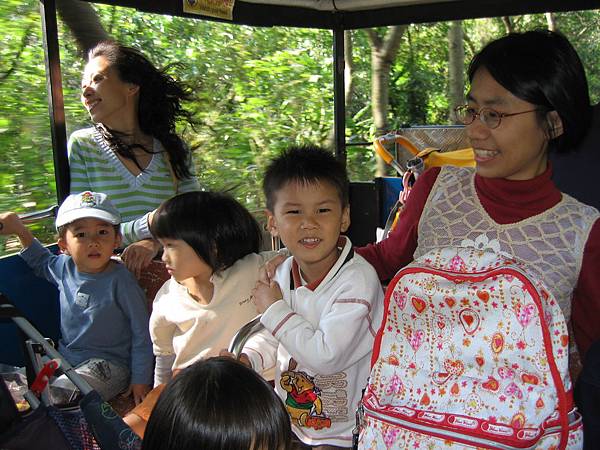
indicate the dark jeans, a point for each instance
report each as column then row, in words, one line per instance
column 587, row 397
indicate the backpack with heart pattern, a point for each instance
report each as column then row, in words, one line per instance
column 472, row 354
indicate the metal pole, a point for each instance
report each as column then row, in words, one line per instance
column 66, row 368
column 56, row 107
column 339, row 100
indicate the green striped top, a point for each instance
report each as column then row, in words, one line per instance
column 95, row 167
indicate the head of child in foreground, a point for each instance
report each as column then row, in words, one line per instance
column 219, row 404
column 528, row 96
column 204, row 233
column 306, row 189
column 88, row 230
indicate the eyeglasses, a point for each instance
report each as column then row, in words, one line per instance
column 488, row 116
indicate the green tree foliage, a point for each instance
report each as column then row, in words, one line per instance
column 420, row 76
column 26, row 167
column 257, row 91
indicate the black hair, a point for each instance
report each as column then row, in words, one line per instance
column 307, row 165
column 542, row 68
column 160, row 98
column 219, row 404
column 215, row 225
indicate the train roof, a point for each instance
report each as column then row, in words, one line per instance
column 352, row 14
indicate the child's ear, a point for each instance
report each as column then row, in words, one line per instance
column 118, row 240
column 345, row 219
column 62, row 245
column 271, row 224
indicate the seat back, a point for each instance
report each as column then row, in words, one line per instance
column 576, row 173
column 36, row 298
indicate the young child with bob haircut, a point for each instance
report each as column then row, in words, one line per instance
column 324, row 304
column 218, row 404
column 211, row 244
column 103, row 315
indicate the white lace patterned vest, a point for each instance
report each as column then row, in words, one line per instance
column 551, row 243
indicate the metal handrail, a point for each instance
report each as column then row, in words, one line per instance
column 7, row 309
column 243, row 334
column 36, row 216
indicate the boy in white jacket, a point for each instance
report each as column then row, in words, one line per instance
column 324, row 305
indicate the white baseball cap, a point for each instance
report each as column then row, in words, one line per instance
column 87, row 204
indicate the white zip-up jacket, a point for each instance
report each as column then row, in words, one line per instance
column 320, row 338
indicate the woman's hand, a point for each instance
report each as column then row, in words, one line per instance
column 139, row 255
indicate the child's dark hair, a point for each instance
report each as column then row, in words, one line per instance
column 219, row 404
column 305, row 165
column 216, row 226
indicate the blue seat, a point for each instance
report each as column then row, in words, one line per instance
column 577, row 173
column 34, row 297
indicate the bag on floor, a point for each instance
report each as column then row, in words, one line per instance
column 472, row 354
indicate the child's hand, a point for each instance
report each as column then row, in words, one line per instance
column 139, row 392
column 267, row 271
column 265, row 294
column 11, row 224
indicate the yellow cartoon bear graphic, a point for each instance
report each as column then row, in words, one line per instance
column 303, row 402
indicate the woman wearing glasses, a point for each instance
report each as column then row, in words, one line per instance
column 528, row 97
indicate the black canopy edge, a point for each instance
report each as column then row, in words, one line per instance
column 253, row 14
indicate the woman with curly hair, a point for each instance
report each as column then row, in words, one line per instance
column 132, row 153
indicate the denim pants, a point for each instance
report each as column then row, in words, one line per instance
column 105, row 377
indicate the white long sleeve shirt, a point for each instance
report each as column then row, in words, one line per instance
column 320, row 338
column 186, row 331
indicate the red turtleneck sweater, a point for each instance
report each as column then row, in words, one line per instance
column 505, row 201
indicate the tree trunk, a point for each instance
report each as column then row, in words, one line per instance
column 551, row 20
column 508, row 26
column 348, row 80
column 383, row 53
column 83, row 22
column 456, row 61
column 349, row 67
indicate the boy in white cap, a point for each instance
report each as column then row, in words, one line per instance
column 104, row 319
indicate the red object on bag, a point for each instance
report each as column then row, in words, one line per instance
column 42, row 378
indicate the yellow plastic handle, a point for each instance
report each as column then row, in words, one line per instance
column 407, row 144
column 398, row 139
column 382, row 152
